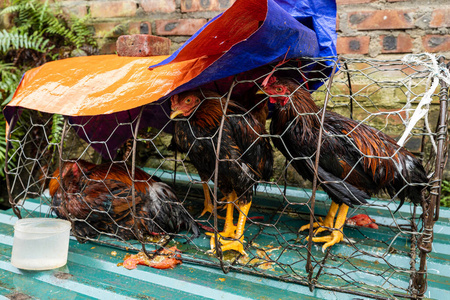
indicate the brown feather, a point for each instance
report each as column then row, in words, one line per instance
column 366, row 158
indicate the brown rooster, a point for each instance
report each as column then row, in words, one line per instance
column 356, row 160
column 98, row 199
column 246, row 156
column 257, row 106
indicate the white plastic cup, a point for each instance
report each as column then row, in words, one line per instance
column 40, row 243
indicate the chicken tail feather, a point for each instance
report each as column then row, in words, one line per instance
column 338, row 189
column 169, row 214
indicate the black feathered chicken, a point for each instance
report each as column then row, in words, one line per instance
column 356, row 160
column 246, row 155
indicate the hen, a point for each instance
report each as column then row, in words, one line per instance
column 356, row 160
column 245, row 154
column 98, row 199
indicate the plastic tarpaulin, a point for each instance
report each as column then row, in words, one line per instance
column 242, row 40
column 290, row 29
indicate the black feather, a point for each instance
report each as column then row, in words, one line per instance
column 360, row 159
column 106, row 205
column 246, row 157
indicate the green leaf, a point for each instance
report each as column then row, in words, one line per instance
column 14, row 40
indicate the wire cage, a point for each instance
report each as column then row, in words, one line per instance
column 387, row 262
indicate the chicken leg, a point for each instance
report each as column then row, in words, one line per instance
column 229, row 229
column 336, row 235
column 232, row 231
column 328, row 222
column 208, row 206
column 238, row 243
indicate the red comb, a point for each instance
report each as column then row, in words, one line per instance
column 267, row 79
column 305, row 80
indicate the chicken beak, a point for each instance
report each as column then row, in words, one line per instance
column 260, row 92
column 175, row 113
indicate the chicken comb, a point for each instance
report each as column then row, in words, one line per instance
column 267, row 80
column 305, row 80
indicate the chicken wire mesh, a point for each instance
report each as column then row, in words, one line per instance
column 386, row 262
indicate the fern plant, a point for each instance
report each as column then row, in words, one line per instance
column 13, row 39
column 40, row 32
column 10, row 78
column 56, row 130
column 445, row 193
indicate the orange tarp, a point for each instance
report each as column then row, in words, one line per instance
column 105, row 84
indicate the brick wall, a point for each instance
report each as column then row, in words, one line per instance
column 374, row 28
column 174, row 19
column 390, row 27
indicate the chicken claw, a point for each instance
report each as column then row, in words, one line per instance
column 225, row 245
column 329, row 240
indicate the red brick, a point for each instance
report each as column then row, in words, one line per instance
column 209, row 5
column 440, row 18
column 396, row 44
column 179, row 27
column 381, row 19
column 110, row 9
column 436, row 43
column 74, row 9
column 343, row 2
column 166, row 6
column 141, row 45
column 353, row 45
column 102, row 29
column 145, row 28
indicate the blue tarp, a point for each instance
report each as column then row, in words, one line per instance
column 287, row 29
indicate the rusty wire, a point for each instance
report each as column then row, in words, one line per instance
column 274, row 247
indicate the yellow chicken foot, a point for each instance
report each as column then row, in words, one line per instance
column 229, row 229
column 238, row 243
column 208, row 206
column 337, row 235
column 328, row 222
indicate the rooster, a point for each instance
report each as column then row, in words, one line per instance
column 356, row 160
column 245, row 155
column 98, row 198
column 257, row 106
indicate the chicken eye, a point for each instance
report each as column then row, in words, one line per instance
column 188, row 100
column 279, row 89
